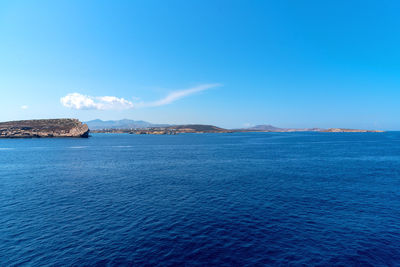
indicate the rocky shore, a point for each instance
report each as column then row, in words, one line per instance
column 43, row 128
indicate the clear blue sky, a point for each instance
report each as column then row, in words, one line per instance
column 229, row 63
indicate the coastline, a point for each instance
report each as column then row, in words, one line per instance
column 73, row 128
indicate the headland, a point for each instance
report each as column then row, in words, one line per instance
column 43, row 128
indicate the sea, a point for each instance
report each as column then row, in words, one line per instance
column 234, row 199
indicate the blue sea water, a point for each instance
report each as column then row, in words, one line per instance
column 242, row 199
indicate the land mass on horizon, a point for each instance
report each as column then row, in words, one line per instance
column 75, row 128
column 143, row 127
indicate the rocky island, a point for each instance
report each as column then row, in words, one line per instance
column 43, row 128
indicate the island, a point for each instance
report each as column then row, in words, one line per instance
column 44, row 128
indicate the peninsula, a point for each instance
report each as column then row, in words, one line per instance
column 43, row 128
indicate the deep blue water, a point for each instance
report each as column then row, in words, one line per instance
column 201, row 199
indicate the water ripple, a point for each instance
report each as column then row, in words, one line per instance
column 201, row 200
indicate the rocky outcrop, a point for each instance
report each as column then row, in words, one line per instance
column 43, row 128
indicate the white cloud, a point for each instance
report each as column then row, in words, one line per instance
column 176, row 95
column 24, row 107
column 79, row 101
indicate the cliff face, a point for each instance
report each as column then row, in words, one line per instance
column 43, row 128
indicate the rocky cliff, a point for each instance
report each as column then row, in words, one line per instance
column 43, row 128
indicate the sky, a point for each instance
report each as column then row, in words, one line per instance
column 333, row 63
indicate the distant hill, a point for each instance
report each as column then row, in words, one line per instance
column 121, row 124
column 197, row 128
column 265, row 128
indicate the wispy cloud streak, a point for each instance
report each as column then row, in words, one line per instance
column 176, row 95
column 85, row 102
